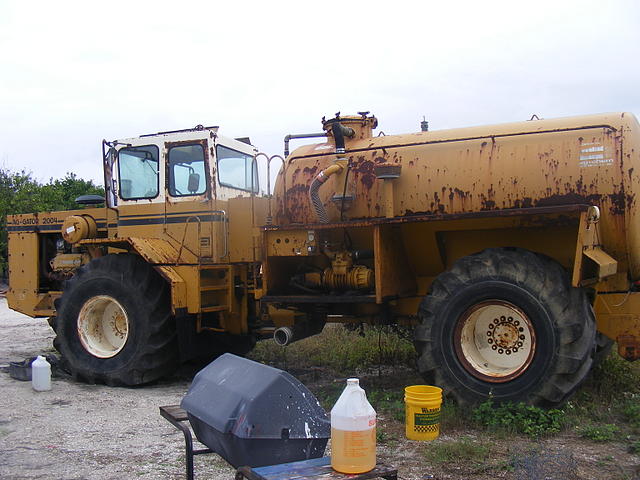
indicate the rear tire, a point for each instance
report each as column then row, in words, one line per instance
column 505, row 324
column 114, row 323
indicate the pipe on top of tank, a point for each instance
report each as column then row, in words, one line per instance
column 293, row 136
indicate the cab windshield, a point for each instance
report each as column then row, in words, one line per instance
column 138, row 172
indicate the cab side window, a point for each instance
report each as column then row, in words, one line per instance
column 186, row 171
column 236, row 169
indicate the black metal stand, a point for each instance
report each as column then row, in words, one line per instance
column 178, row 418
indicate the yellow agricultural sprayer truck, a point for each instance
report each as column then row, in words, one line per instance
column 512, row 250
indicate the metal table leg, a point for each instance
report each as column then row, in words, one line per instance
column 176, row 416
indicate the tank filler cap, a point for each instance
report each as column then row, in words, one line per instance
column 362, row 124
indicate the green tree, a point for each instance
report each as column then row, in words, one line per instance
column 21, row 193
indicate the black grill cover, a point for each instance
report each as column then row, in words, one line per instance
column 252, row 414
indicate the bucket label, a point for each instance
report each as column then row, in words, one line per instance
column 427, row 417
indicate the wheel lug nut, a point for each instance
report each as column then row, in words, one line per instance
column 494, row 347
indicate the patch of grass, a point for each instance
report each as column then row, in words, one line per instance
column 341, row 350
column 634, row 447
column 464, row 450
column 631, row 411
column 452, row 416
column 327, row 395
column 610, row 396
column 389, row 402
column 518, row 418
column 606, row 460
column 599, row 433
column 383, row 436
column 613, row 377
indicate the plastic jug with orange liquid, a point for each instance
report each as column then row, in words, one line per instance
column 353, row 431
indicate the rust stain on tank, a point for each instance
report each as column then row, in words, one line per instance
column 310, row 171
column 297, row 202
column 364, row 171
column 618, row 203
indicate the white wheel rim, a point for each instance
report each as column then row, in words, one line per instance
column 495, row 341
column 103, row 326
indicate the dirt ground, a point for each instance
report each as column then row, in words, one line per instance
column 78, row 431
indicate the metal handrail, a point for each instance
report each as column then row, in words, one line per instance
column 269, row 193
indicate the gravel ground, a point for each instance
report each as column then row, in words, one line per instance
column 78, row 431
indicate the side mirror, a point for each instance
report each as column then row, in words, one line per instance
column 194, row 183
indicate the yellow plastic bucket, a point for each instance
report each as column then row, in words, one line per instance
column 422, row 408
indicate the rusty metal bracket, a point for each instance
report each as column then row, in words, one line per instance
column 591, row 263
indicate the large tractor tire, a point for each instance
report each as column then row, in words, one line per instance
column 505, row 324
column 114, row 323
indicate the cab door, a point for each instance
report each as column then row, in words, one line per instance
column 188, row 209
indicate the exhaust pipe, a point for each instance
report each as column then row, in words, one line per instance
column 286, row 335
column 283, row 336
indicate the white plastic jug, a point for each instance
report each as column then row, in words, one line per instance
column 353, row 431
column 40, row 374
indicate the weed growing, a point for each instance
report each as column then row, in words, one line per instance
column 459, row 451
column 634, row 447
column 389, row 402
column 599, row 433
column 631, row 411
column 518, row 418
column 614, row 377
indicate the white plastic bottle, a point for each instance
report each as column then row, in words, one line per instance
column 353, row 431
column 40, row 374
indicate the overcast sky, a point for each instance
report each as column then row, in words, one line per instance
column 73, row 73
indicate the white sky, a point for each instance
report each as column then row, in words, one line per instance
column 73, row 73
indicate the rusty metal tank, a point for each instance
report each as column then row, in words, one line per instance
column 577, row 160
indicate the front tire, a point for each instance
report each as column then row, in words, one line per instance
column 114, row 323
column 505, row 324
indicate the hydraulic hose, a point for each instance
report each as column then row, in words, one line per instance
column 339, row 132
column 317, row 182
